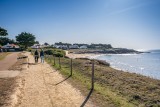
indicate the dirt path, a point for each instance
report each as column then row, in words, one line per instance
column 43, row 87
column 9, row 60
column 5, row 65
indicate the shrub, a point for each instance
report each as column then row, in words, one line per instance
column 49, row 52
column 56, row 52
column 29, row 49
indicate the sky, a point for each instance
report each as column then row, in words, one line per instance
column 131, row 24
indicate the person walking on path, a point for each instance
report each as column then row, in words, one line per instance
column 36, row 56
column 42, row 56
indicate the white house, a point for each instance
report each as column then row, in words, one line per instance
column 61, row 46
column 83, row 47
column 73, row 47
column 8, row 46
column 36, row 46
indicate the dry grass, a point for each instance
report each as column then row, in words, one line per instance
column 3, row 55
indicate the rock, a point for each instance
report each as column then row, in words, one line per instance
column 102, row 62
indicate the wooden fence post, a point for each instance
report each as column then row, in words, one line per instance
column 71, row 66
column 59, row 62
column 54, row 60
column 92, row 75
column 50, row 58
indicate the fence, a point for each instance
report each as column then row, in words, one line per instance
column 60, row 63
column 73, row 68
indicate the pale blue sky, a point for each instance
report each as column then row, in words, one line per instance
column 122, row 23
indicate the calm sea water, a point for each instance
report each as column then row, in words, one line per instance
column 147, row 64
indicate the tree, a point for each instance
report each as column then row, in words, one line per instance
column 36, row 42
column 25, row 39
column 46, row 43
column 4, row 41
column 3, row 32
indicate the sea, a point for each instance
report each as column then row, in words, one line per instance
column 147, row 64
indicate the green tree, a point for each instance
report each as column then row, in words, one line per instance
column 36, row 42
column 4, row 41
column 3, row 32
column 25, row 39
column 46, row 43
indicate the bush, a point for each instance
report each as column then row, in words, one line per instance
column 56, row 52
column 49, row 52
column 29, row 49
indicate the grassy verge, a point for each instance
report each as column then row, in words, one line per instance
column 113, row 88
column 3, row 55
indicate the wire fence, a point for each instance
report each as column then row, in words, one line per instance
column 72, row 66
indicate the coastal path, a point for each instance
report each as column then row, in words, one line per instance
column 42, row 86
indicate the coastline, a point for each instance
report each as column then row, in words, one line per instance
column 136, row 88
column 93, row 55
column 128, row 88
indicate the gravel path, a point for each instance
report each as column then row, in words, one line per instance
column 40, row 88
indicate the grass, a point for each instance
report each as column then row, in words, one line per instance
column 3, row 55
column 113, row 88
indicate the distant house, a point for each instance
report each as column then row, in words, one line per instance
column 73, row 47
column 83, row 47
column 10, row 47
column 36, row 46
column 45, row 45
column 65, row 47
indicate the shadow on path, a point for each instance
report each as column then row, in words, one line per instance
column 63, row 80
column 87, row 98
column 32, row 63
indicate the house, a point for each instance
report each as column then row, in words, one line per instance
column 65, row 47
column 10, row 47
column 83, row 47
column 73, row 47
column 35, row 46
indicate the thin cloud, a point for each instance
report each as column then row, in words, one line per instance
column 128, row 9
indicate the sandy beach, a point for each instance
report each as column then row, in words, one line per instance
column 73, row 55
